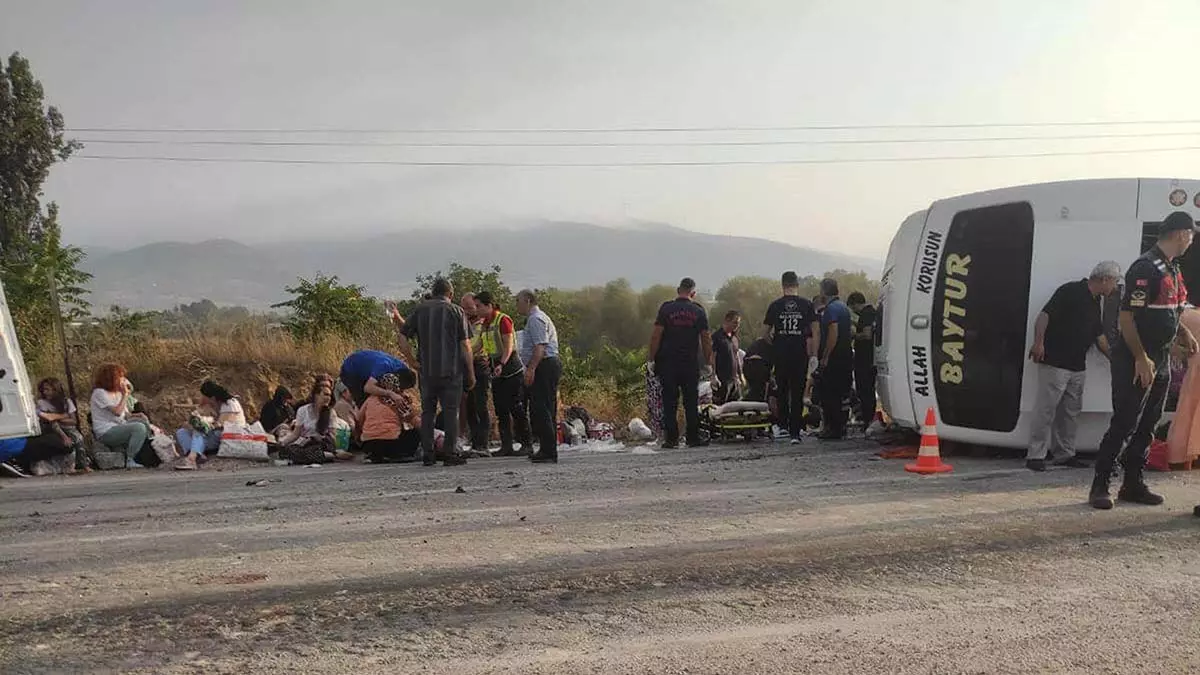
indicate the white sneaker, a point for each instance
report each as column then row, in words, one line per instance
column 12, row 470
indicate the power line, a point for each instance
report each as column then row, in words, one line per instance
column 865, row 160
column 629, row 130
column 623, row 144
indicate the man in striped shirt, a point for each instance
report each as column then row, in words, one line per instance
column 445, row 362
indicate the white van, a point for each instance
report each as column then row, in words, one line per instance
column 965, row 279
column 18, row 411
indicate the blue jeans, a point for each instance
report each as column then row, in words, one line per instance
column 197, row 443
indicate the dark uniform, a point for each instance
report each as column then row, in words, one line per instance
column 864, row 366
column 725, row 360
column 1155, row 294
column 678, row 367
column 757, row 369
column 790, row 319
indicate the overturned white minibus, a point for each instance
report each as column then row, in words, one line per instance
column 965, row 279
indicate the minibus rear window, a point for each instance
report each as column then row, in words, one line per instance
column 980, row 317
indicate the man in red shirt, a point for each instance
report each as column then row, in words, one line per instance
column 498, row 343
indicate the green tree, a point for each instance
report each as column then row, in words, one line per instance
column 749, row 295
column 324, row 307
column 620, row 319
column 650, row 299
column 469, row 280
column 32, row 140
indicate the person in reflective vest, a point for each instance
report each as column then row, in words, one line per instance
column 498, row 336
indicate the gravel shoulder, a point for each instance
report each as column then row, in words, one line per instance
column 732, row 559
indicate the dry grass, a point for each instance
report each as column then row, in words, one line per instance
column 252, row 362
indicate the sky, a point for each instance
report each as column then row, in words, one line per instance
column 540, row 65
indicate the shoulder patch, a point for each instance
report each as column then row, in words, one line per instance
column 1137, row 298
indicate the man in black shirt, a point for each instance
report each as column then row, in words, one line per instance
column 1141, row 370
column 680, row 329
column 791, row 326
column 1065, row 330
column 864, row 355
column 725, row 357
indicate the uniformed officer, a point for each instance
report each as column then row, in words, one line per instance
column 1154, row 297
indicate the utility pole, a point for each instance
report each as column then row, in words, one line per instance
column 62, row 340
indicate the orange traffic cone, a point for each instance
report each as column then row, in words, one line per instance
column 929, row 458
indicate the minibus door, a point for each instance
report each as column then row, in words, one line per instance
column 968, row 313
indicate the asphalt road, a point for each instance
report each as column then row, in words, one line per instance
column 734, row 559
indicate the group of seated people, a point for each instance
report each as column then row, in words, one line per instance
column 377, row 415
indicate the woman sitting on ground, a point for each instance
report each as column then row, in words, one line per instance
column 311, row 439
column 390, row 430
column 278, row 411
column 201, row 437
column 57, row 414
column 113, row 423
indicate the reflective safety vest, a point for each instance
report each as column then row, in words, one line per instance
column 493, row 342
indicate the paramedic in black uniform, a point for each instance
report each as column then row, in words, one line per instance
column 791, row 327
column 1150, row 330
column 680, row 331
column 864, row 356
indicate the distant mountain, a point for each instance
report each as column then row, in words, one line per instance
column 566, row 255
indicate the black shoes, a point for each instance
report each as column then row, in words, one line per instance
column 540, row 458
column 1099, row 497
column 698, row 444
column 1138, row 493
column 670, row 445
column 1133, row 491
column 1038, row 465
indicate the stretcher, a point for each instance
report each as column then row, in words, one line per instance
column 747, row 419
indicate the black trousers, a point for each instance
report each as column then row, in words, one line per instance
column 680, row 382
column 479, row 421
column 790, row 379
column 835, row 384
column 1136, row 411
column 446, row 391
column 758, row 377
column 507, row 397
column 864, row 385
column 543, row 405
column 399, row 449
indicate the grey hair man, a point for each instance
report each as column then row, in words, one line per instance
column 1068, row 326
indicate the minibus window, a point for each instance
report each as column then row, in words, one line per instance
column 980, row 316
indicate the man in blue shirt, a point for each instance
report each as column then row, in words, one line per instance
column 539, row 353
column 836, row 370
column 362, row 370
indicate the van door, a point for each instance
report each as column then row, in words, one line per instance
column 967, row 312
column 18, row 415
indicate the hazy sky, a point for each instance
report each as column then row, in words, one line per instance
column 497, row 64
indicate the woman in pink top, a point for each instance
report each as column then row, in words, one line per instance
column 1183, row 441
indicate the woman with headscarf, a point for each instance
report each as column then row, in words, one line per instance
column 278, row 411
column 390, row 429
